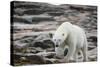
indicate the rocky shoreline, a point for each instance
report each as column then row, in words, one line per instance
column 35, row 23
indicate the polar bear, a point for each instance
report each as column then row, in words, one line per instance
column 72, row 36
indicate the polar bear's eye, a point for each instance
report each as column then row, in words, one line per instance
column 63, row 34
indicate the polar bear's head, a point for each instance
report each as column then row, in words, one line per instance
column 58, row 40
column 61, row 33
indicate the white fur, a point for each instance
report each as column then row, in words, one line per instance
column 72, row 36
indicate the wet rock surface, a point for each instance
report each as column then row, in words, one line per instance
column 35, row 23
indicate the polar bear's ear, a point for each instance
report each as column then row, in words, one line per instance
column 63, row 34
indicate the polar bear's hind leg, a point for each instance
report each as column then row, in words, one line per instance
column 84, row 50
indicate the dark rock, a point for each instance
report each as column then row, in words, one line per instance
column 56, row 13
column 38, row 44
column 40, row 19
column 91, row 47
column 93, row 38
column 21, row 20
column 26, row 5
column 35, row 59
column 50, row 55
column 48, row 43
column 18, row 11
column 39, row 58
column 32, row 19
column 49, row 62
column 33, row 12
column 45, row 44
column 93, row 58
column 82, row 8
column 51, row 35
column 16, row 57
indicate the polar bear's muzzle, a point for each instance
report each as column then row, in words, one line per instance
column 59, row 52
column 56, row 45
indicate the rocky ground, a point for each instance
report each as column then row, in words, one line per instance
column 35, row 23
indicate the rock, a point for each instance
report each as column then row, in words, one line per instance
column 26, row 5
column 43, row 41
column 38, row 44
column 39, row 19
column 30, row 59
column 93, row 58
column 31, row 19
column 33, row 12
column 18, row 11
column 91, row 47
column 21, row 20
column 33, row 50
column 82, row 8
column 92, row 54
column 50, row 49
column 51, row 61
column 55, row 13
column 93, row 38
column 42, row 37
column 44, row 45
column 35, row 58
column 48, row 43
column 20, row 47
column 50, row 55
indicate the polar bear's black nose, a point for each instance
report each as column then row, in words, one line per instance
column 56, row 45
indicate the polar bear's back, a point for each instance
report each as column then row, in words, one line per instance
column 64, row 27
column 78, row 30
column 67, row 26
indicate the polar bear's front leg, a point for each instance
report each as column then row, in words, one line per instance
column 71, row 51
column 75, row 56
